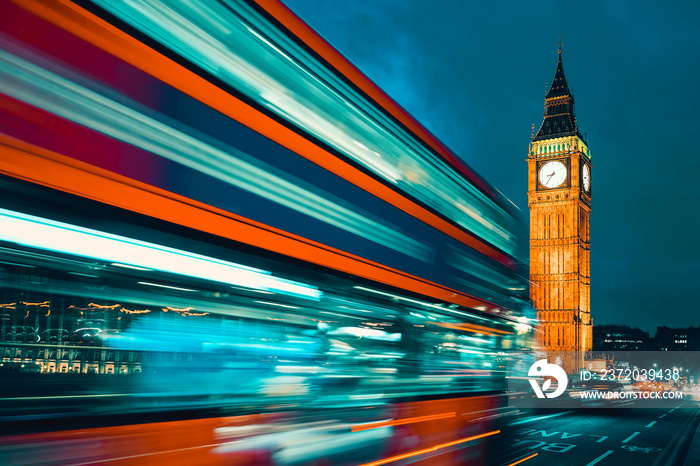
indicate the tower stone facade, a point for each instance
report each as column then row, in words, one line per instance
column 559, row 198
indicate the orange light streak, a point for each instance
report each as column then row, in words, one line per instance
column 98, row 306
column 428, row 450
column 178, row 309
column 399, row 422
column 36, row 165
column 107, row 37
column 474, row 328
column 42, row 304
column 523, row 460
column 135, row 311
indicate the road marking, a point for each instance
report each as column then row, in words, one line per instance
column 641, row 449
column 662, row 416
column 524, row 421
column 631, row 437
column 600, row 458
column 650, row 424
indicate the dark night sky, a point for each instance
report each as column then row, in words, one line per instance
column 474, row 73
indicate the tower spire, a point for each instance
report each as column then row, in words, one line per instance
column 559, row 119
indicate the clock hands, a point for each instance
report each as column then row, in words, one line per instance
column 555, row 177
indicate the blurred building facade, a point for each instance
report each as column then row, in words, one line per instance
column 620, row 338
column 559, row 198
column 676, row 339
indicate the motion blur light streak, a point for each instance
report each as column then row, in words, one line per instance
column 127, row 266
column 16, row 264
column 400, row 422
column 474, row 328
column 277, row 304
column 523, row 459
column 146, row 455
column 84, row 24
column 42, row 233
column 166, row 286
column 401, row 298
column 68, row 96
column 431, row 449
column 184, row 179
column 59, row 172
column 283, row 77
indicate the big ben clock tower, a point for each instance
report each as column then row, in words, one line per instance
column 559, row 197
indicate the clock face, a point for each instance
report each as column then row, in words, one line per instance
column 586, row 178
column 552, row 174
